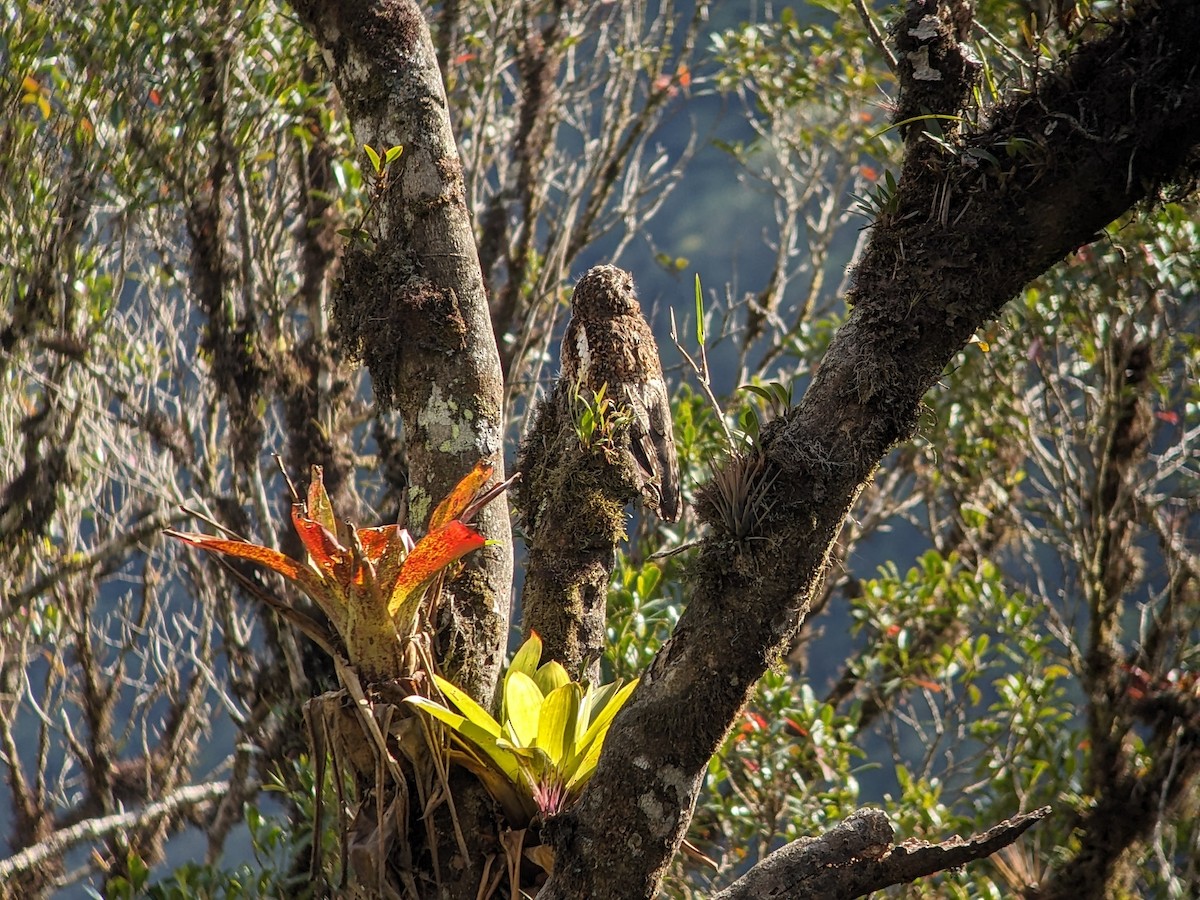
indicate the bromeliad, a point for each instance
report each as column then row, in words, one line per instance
column 369, row 582
column 536, row 761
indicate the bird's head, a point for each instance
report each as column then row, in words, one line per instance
column 605, row 291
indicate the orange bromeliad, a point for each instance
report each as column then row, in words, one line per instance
column 369, row 582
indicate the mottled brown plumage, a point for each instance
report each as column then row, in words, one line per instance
column 609, row 342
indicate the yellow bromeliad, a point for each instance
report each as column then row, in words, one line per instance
column 538, row 758
column 369, row 582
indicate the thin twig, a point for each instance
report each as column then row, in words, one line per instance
column 208, row 520
column 876, row 35
column 702, row 376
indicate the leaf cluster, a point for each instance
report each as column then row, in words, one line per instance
column 537, row 758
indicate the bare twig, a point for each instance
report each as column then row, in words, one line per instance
column 91, row 829
column 876, row 35
column 702, row 377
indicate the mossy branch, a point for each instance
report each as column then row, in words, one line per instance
column 572, row 500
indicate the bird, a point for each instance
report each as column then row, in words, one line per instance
column 608, row 344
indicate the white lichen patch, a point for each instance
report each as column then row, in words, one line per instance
column 674, row 778
column 922, row 71
column 358, row 70
column 487, row 436
column 661, row 816
column 444, row 424
column 654, row 810
column 926, row 29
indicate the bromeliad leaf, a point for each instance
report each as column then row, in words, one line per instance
column 319, row 509
column 527, row 656
column 589, row 746
column 547, row 677
column 459, row 499
column 430, row 556
column 551, row 676
column 289, row 568
column 556, row 723
column 522, row 708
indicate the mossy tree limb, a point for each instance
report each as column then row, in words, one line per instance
column 572, row 501
column 859, row 856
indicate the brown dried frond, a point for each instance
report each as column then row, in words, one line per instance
column 1019, row 868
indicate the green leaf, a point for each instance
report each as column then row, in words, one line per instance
column 374, row 157
column 699, row 312
column 550, row 734
column 759, row 391
column 597, row 699
column 526, row 659
column 522, row 707
column 467, row 706
column 556, row 725
column 582, row 717
column 501, row 756
column 439, row 712
column 648, row 580
column 551, row 677
column 471, row 733
column 589, row 746
column 139, row 872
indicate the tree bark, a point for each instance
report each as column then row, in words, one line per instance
column 929, row 279
column 572, row 503
column 413, row 306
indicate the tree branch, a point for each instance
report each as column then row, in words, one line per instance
column 857, row 857
column 877, row 37
column 413, row 306
column 568, row 565
column 928, row 280
column 91, row 829
column 572, row 499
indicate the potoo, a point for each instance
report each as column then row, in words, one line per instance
column 609, row 342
